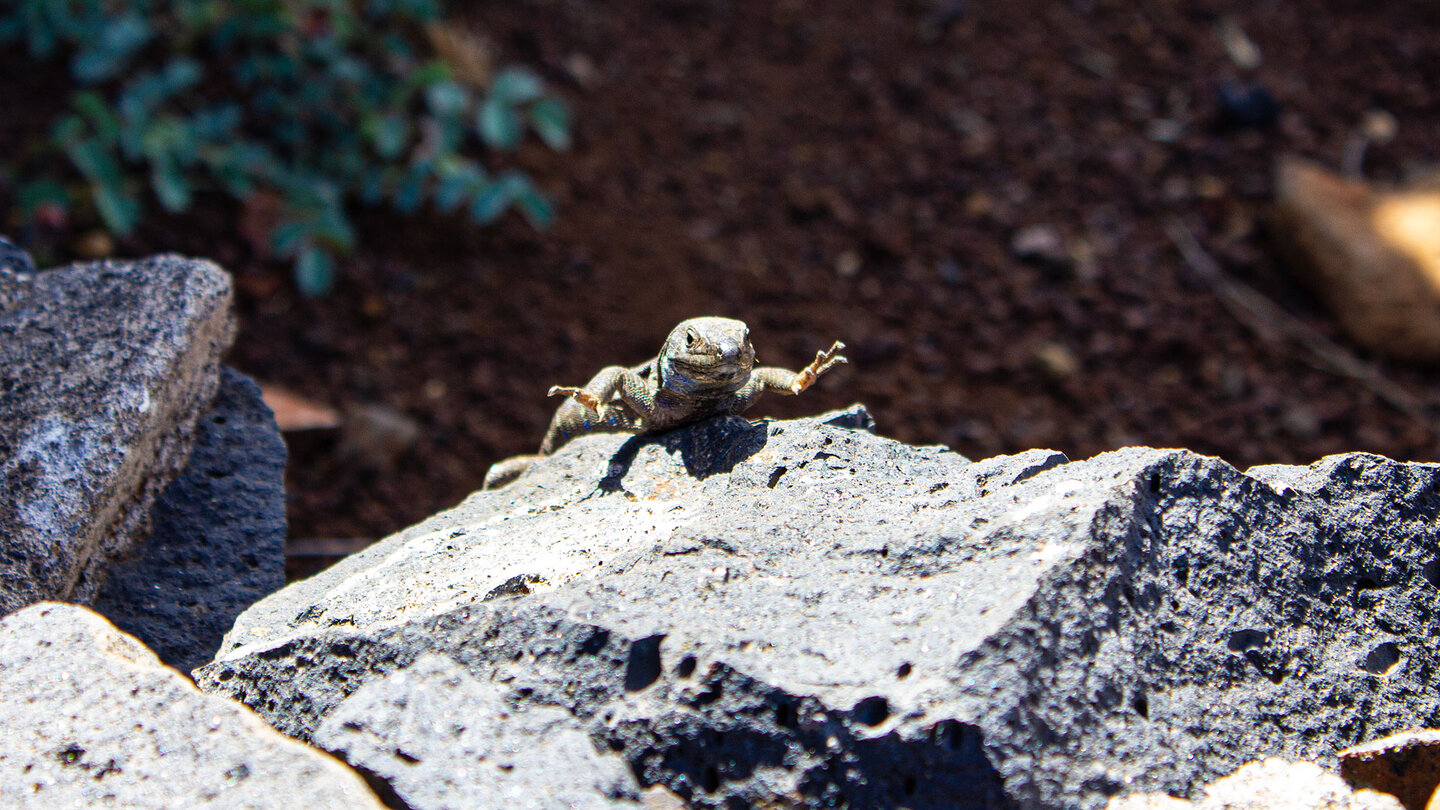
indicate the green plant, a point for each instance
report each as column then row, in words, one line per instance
column 317, row 102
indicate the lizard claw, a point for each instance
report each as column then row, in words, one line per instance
column 825, row 360
column 580, row 395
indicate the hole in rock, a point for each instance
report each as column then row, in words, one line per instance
column 1431, row 572
column 1366, row 584
column 904, row 671
column 775, row 476
column 871, row 711
column 1141, row 706
column 596, row 642
column 686, row 667
column 785, row 716
column 1383, row 658
column 710, row 779
column 1243, row 640
column 643, row 667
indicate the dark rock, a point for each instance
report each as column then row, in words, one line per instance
column 218, row 539
column 798, row 613
column 104, row 369
column 441, row 738
column 1247, row 106
column 14, row 259
column 90, row 718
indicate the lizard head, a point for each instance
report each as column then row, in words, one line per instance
column 707, row 354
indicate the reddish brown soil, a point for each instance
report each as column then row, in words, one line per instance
column 858, row 170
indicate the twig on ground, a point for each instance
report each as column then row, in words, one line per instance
column 1271, row 323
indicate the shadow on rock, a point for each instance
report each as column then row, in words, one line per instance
column 711, row 447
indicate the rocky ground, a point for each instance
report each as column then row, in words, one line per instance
column 972, row 195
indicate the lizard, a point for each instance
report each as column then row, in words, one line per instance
column 705, row 368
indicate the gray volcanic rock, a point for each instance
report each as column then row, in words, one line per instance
column 104, row 369
column 800, row 612
column 218, row 539
column 441, row 738
column 90, row 718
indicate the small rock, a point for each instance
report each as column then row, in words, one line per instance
column 1271, row 784
column 1040, row 242
column 1406, row 765
column 90, row 718
column 1379, row 126
column 1246, row 106
column 376, row 436
column 95, row 244
column 1057, row 360
column 848, row 264
column 1372, row 255
column 1238, row 46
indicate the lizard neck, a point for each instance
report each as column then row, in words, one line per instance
column 690, row 385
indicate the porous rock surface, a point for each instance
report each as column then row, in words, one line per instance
column 803, row 613
column 442, row 738
column 217, row 542
column 104, row 369
column 90, row 718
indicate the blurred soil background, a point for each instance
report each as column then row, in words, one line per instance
column 974, row 196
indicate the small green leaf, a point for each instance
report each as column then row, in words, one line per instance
column 516, row 86
column 106, row 56
column 314, row 272
column 389, row 134
column 119, row 210
column 170, row 184
column 494, row 199
column 499, row 125
column 551, row 121
column 536, row 207
column 97, row 112
column 290, row 238
column 410, row 194
column 447, row 99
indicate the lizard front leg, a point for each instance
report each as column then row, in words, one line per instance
column 593, row 408
column 603, row 387
column 785, row 381
column 825, row 359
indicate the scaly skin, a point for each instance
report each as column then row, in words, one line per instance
column 706, row 368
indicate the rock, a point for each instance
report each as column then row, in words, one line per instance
column 1273, row 784
column 218, row 542
column 803, row 613
column 14, row 259
column 1372, row 256
column 441, row 738
column 104, row 369
column 1246, row 106
column 1040, row 243
column 90, row 718
column 1406, row 765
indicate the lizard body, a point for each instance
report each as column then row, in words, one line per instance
column 706, row 368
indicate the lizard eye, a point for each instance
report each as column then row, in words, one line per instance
column 691, row 338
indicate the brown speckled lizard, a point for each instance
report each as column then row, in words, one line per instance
column 706, row 368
